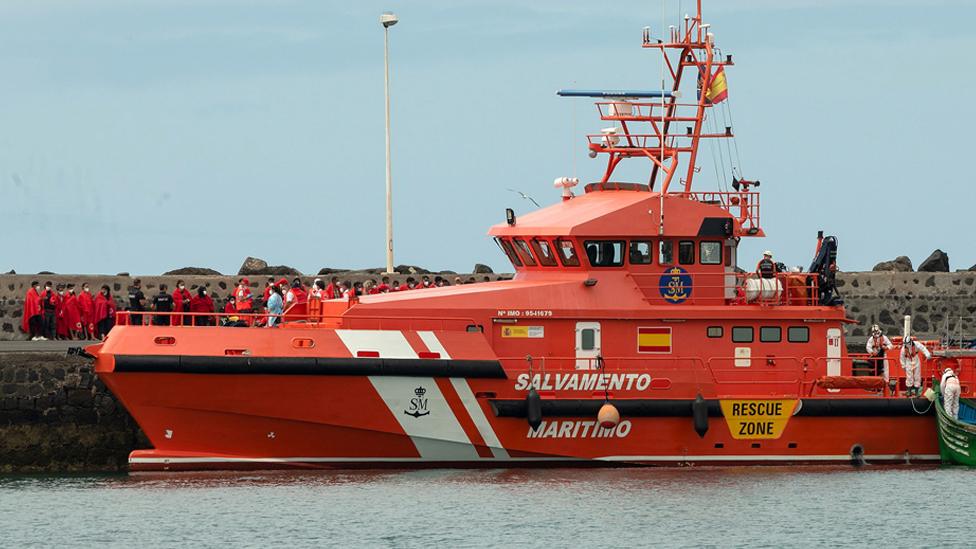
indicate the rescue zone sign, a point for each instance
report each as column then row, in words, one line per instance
column 757, row 419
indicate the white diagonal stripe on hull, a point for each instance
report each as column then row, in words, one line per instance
column 437, row 435
column 478, row 416
column 434, row 344
column 388, row 343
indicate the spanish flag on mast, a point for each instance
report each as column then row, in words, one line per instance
column 718, row 89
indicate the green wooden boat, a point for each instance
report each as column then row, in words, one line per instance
column 957, row 437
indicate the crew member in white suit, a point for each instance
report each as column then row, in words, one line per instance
column 910, row 348
column 878, row 343
column 950, row 392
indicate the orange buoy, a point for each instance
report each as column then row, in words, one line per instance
column 608, row 416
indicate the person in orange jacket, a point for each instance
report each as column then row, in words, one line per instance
column 244, row 299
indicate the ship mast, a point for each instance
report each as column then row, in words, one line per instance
column 650, row 128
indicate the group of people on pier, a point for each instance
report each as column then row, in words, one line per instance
column 63, row 312
column 68, row 311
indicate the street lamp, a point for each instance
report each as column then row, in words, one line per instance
column 388, row 19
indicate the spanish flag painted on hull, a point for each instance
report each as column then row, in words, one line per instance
column 654, row 340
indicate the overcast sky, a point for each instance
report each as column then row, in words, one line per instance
column 145, row 135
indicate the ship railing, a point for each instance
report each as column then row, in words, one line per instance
column 644, row 111
column 714, row 377
column 862, row 365
column 642, row 144
column 744, row 206
column 678, row 286
column 260, row 320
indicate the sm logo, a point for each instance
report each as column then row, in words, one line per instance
column 675, row 285
column 418, row 404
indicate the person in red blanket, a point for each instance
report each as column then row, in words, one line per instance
column 202, row 303
column 267, row 289
column 71, row 314
column 86, row 305
column 332, row 291
column 104, row 316
column 33, row 321
column 61, row 328
column 181, row 304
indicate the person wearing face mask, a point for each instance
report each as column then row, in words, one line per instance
column 61, row 326
column 49, row 302
column 104, row 315
column 86, row 306
column 33, row 320
column 202, row 303
column 245, row 302
column 267, row 290
column 275, row 306
column 71, row 313
column 181, row 304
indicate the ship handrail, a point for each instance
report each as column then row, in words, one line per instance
column 799, row 367
column 793, row 288
column 255, row 320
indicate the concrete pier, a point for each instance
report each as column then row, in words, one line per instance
column 55, row 415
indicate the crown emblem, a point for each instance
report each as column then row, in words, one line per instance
column 418, row 405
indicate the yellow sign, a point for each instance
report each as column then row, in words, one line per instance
column 530, row 332
column 757, row 419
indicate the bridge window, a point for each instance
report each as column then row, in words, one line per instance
column 667, row 253
column 567, row 253
column 506, row 247
column 742, row 334
column 770, row 334
column 686, row 252
column 710, row 253
column 605, row 253
column 524, row 253
column 543, row 250
column 798, row 334
column 640, row 252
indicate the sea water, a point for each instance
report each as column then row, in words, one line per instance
column 696, row 507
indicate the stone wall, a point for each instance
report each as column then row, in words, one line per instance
column 55, row 415
column 936, row 301
column 14, row 287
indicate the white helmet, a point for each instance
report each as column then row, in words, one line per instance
column 769, row 253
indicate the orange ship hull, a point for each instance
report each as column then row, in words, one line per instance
column 307, row 412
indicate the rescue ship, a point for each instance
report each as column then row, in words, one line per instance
column 627, row 336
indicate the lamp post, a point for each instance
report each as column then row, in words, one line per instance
column 388, row 19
